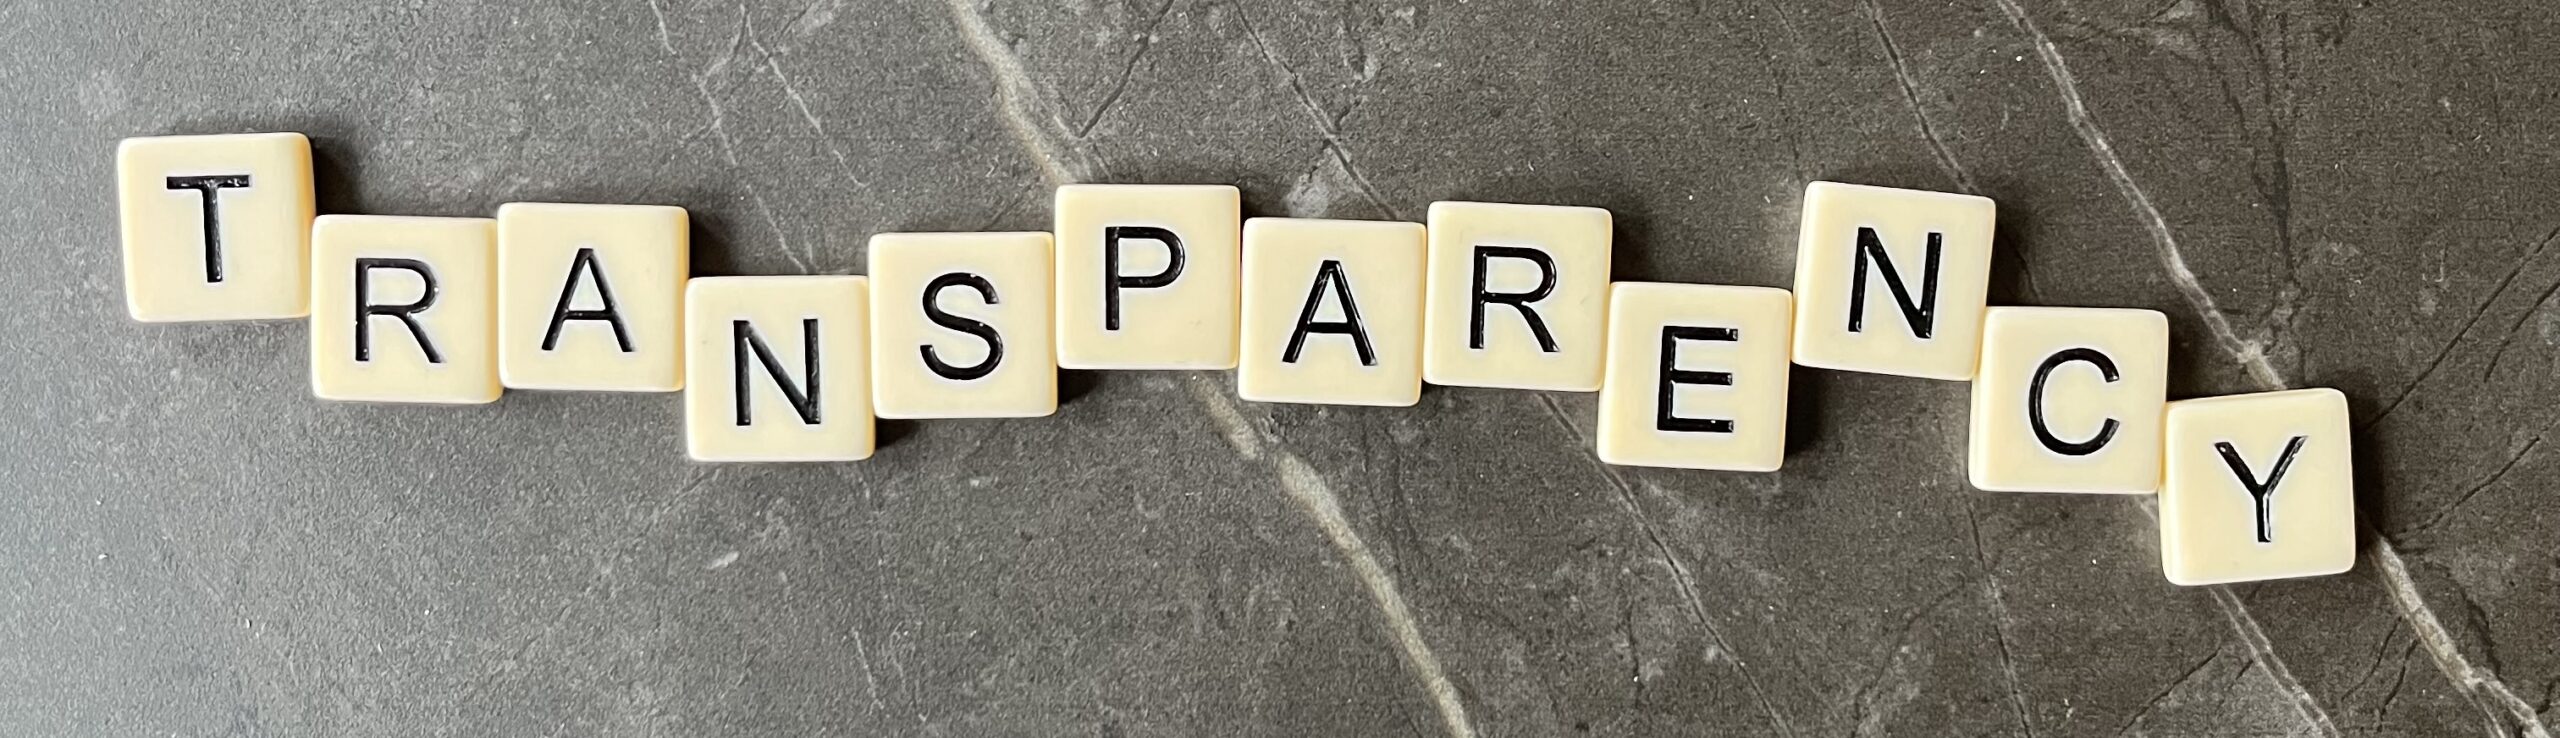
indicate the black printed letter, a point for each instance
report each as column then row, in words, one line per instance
column 561, row 314
column 408, row 314
column 804, row 396
column 984, row 332
column 1673, row 376
column 2262, row 493
column 2035, row 402
column 1330, row 273
column 1923, row 315
column 211, row 188
column 1517, row 300
column 1113, row 281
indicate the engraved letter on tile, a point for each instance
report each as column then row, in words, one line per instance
column 2261, row 493
column 1484, row 256
column 1114, row 281
column 211, row 188
column 561, row 313
column 1330, row 274
column 933, row 311
column 1921, row 315
column 367, row 310
column 1673, row 376
column 2035, row 401
column 803, row 395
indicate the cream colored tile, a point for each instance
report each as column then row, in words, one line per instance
column 216, row 227
column 1892, row 281
column 1147, row 276
column 588, row 296
column 777, row 369
column 2069, row 400
column 1517, row 296
column 961, row 325
column 2258, row 487
column 1697, row 377
column 405, row 309
column 1332, row 312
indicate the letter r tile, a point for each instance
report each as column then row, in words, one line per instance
column 1517, row 296
column 2258, row 486
column 216, row 227
column 405, row 309
column 1892, row 281
column 589, row 296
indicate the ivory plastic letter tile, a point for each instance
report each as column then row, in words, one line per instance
column 1517, row 296
column 961, row 325
column 2258, row 487
column 2069, row 400
column 777, row 369
column 1147, row 276
column 405, row 309
column 1697, row 377
column 1332, row 312
column 1892, row 281
column 216, row 227
column 588, row 296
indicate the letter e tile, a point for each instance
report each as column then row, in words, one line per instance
column 1697, row 377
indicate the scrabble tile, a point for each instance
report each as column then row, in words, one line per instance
column 1147, row 276
column 2258, row 487
column 216, row 227
column 1332, row 312
column 404, row 309
column 2069, row 400
column 588, row 296
column 1892, row 281
column 1697, row 377
column 777, row 369
column 1517, row 296
column 961, row 325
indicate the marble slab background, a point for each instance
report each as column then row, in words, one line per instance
column 2354, row 195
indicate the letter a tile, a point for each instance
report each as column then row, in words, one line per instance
column 961, row 325
column 588, row 296
column 216, row 227
column 2069, row 400
column 1332, row 312
column 405, row 309
column 1147, row 276
column 1892, row 281
column 1518, row 296
column 777, row 369
column 1697, row 377
column 2258, row 487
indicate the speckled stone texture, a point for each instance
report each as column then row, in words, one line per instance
column 2353, row 195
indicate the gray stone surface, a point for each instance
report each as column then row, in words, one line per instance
column 2362, row 193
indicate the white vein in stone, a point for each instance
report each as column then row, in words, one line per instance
column 1016, row 94
column 2252, row 356
column 1308, row 489
column 2477, row 683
